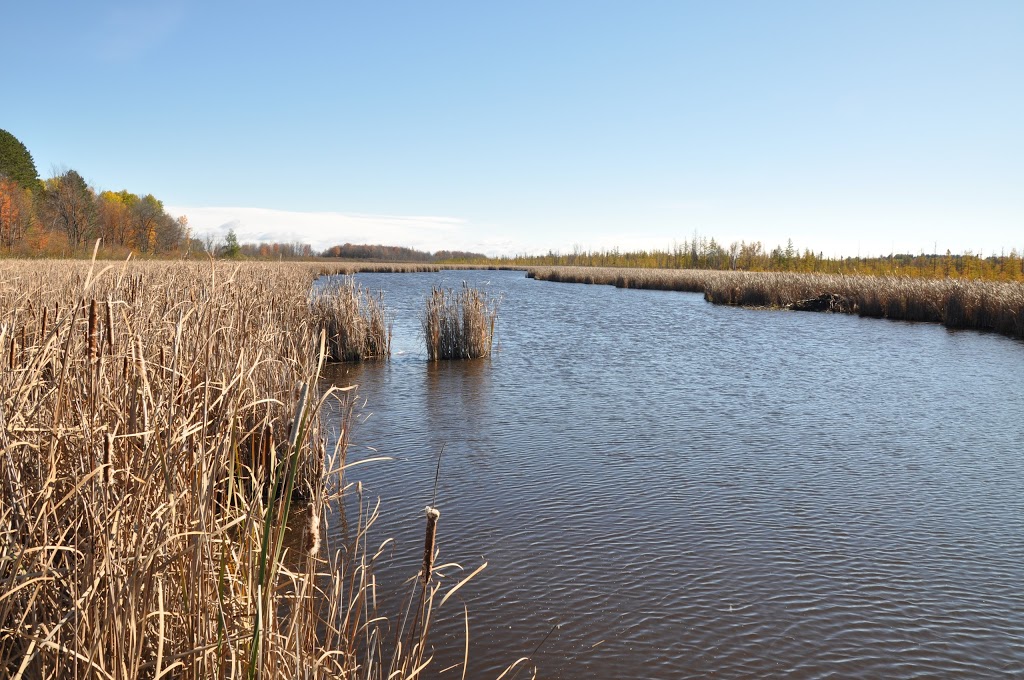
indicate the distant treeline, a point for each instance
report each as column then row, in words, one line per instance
column 63, row 215
column 379, row 253
column 704, row 253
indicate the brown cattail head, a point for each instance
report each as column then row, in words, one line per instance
column 110, row 328
column 428, row 546
column 312, row 542
column 108, row 448
column 93, row 350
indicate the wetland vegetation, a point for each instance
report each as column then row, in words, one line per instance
column 956, row 303
column 459, row 324
column 166, row 476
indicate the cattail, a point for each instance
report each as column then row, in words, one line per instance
column 108, row 449
column 312, row 542
column 459, row 324
column 93, row 351
column 428, row 547
column 110, row 328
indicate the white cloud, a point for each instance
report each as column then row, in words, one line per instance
column 324, row 229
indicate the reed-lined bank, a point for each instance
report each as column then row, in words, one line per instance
column 165, row 477
column 350, row 267
column 955, row 303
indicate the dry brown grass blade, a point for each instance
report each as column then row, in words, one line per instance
column 461, row 583
column 465, row 658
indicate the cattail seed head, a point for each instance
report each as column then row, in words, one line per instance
column 428, row 546
column 108, row 448
column 110, row 328
column 312, row 542
column 93, row 351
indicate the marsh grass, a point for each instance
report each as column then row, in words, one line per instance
column 459, row 324
column 356, row 324
column 955, row 303
column 331, row 267
column 349, row 268
column 161, row 433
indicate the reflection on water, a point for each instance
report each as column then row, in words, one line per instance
column 692, row 490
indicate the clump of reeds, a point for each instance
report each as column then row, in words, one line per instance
column 157, row 423
column 459, row 324
column 354, row 319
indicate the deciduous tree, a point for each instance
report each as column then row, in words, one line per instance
column 115, row 217
column 15, row 211
column 72, row 207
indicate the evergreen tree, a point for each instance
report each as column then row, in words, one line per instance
column 231, row 247
column 16, row 162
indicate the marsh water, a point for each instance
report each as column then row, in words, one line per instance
column 689, row 490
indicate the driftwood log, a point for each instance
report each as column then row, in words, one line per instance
column 826, row 302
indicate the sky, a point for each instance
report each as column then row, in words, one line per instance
column 847, row 127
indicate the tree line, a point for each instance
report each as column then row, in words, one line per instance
column 381, row 253
column 63, row 215
column 703, row 253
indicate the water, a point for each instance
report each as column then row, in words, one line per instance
column 692, row 490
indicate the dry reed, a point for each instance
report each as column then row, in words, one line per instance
column 354, row 320
column 332, row 267
column 955, row 303
column 158, row 424
column 459, row 324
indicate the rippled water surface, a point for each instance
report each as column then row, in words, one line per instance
column 692, row 490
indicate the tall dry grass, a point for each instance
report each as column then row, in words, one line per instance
column 955, row 303
column 354, row 320
column 162, row 445
column 348, row 268
column 459, row 324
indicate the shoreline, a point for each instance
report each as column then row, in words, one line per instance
column 955, row 303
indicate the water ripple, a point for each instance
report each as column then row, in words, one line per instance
column 699, row 491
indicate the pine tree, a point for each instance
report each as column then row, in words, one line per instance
column 16, row 162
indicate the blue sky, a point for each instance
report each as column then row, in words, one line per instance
column 521, row 127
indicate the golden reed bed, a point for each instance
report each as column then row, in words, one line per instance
column 165, row 476
column 956, row 303
column 459, row 324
